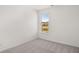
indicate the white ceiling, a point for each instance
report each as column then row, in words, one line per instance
column 35, row 7
column 39, row 7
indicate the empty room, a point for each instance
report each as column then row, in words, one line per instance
column 39, row 28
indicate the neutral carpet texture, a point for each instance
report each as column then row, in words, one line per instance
column 42, row 46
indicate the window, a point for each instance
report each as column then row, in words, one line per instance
column 44, row 22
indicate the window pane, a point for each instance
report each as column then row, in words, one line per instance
column 44, row 22
column 44, row 17
column 44, row 26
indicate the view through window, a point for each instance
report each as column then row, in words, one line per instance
column 44, row 22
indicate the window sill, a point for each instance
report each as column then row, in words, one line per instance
column 44, row 33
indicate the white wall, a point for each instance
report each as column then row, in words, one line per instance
column 63, row 25
column 18, row 24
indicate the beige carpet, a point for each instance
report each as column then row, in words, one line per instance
column 42, row 46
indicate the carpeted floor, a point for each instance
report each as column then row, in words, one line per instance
column 42, row 46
